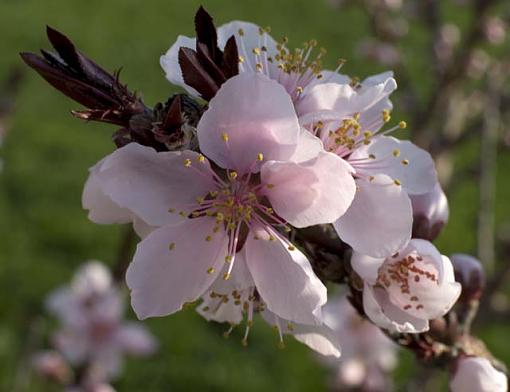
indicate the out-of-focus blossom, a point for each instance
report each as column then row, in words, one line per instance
column 50, row 364
column 383, row 53
column 348, row 120
column 495, row 30
column 476, row 374
column 449, row 37
column 430, row 213
column 268, row 174
column 92, row 332
column 478, row 64
column 403, row 292
column 367, row 354
column 236, row 299
column 470, row 274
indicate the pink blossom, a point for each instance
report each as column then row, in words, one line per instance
column 403, row 292
column 348, row 121
column 476, row 374
column 92, row 330
column 296, row 70
column 265, row 173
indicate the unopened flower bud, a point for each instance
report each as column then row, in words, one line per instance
column 470, row 274
column 430, row 213
column 476, row 374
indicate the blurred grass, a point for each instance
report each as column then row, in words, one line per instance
column 45, row 235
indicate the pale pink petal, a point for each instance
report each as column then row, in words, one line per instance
column 214, row 309
column 328, row 77
column 476, row 374
column 309, row 147
column 399, row 159
column 250, row 39
column 257, row 115
column 150, row 183
column 170, row 63
column 141, row 228
column 101, row 208
column 284, row 279
column 172, row 266
column 376, row 79
column 330, row 101
column 240, row 277
column 382, row 312
column 317, row 191
column 366, row 267
column 372, row 119
column 319, row 338
column 379, row 220
column 136, row 340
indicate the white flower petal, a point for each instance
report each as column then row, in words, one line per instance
column 257, row 115
column 313, row 192
column 171, row 266
column 366, row 267
column 379, row 220
column 170, row 63
column 284, row 279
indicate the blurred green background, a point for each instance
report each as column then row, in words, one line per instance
column 45, row 234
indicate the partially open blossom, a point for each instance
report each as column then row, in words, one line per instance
column 430, row 213
column 367, row 354
column 470, row 274
column 295, row 69
column 476, row 374
column 92, row 332
column 237, row 300
column 348, row 120
column 50, row 364
column 265, row 173
column 404, row 291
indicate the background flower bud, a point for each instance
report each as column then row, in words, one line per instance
column 430, row 213
column 470, row 274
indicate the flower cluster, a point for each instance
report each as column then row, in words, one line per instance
column 282, row 145
column 93, row 337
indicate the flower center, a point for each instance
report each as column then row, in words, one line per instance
column 405, row 276
column 238, row 204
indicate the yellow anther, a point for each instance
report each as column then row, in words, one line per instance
column 270, row 186
column 290, row 327
column 386, row 112
column 371, row 178
column 228, row 259
column 216, row 229
column 200, row 199
column 208, row 238
column 187, row 162
column 233, row 175
column 396, row 152
column 402, row 125
column 367, row 134
column 240, row 32
column 405, row 162
column 319, row 76
column 269, row 210
column 280, row 345
column 299, row 90
column 291, row 247
column 224, row 137
column 258, row 67
column 201, row 158
column 256, row 51
column 371, row 156
column 397, row 182
column 244, row 342
column 357, row 116
column 272, row 237
column 213, row 193
column 231, row 226
column 260, row 156
column 171, row 210
column 171, row 246
column 220, row 217
column 287, row 229
column 341, row 62
column 226, row 276
column 195, row 214
column 241, row 59
column 210, row 270
column 183, row 214
column 249, row 323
